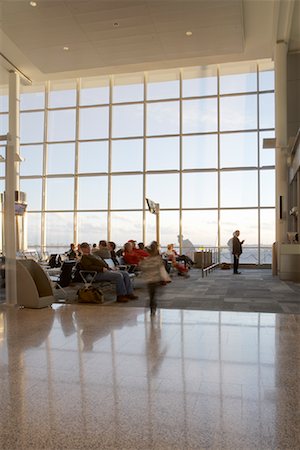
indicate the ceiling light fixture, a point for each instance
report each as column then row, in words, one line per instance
column 66, row 48
column 116, row 24
column 188, row 33
column 33, row 4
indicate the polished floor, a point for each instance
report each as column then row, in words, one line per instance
column 108, row 377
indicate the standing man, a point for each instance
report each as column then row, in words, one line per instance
column 236, row 251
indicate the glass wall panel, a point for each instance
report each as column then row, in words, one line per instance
column 267, row 187
column 238, row 112
column 169, row 228
column 62, row 93
column 200, row 190
column 201, row 228
column 238, row 189
column 200, row 152
column 93, row 157
column 3, row 123
column 61, row 125
column 92, row 192
column 162, row 118
column 92, row 227
column 238, row 150
column 59, row 230
column 150, row 228
column 163, row 189
column 199, row 115
column 266, row 111
column 34, row 230
column 266, row 155
column 128, row 120
column 266, row 76
column 32, row 127
column 199, row 81
column 267, row 226
column 163, row 84
column 128, row 88
column 61, row 158
column 125, row 226
column 162, row 153
column 236, row 78
column 93, row 123
column 33, row 189
column 94, row 91
column 247, row 222
column 32, row 97
column 127, row 155
column 2, row 165
column 55, row 199
column 33, row 160
column 126, row 192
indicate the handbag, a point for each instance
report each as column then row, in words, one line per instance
column 90, row 294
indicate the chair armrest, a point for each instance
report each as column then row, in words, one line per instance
column 84, row 274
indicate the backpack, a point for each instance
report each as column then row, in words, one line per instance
column 90, row 294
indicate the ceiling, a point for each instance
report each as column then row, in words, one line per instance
column 114, row 36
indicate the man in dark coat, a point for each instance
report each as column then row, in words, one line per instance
column 236, row 251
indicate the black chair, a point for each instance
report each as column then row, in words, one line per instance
column 64, row 278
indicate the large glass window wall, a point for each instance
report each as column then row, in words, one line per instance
column 189, row 139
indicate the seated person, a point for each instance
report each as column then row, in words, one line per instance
column 71, row 253
column 172, row 256
column 112, row 249
column 133, row 255
column 102, row 250
column 121, row 279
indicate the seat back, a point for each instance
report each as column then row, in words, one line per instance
column 65, row 277
column 54, row 261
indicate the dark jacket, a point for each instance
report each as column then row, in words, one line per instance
column 236, row 246
column 91, row 262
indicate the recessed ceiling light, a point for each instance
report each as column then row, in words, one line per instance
column 189, row 33
column 116, row 24
column 66, row 48
column 33, row 4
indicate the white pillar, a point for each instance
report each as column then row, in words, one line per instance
column 281, row 141
column 11, row 184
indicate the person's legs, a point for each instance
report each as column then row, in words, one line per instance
column 152, row 291
column 113, row 277
column 235, row 264
column 127, row 283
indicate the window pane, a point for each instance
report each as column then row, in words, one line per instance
column 239, row 188
column 93, row 157
column 125, row 226
column 94, row 91
column 3, row 123
column 162, row 154
column 238, row 113
column 267, row 187
column 127, row 155
column 59, row 230
column 244, row 220
column 127, row 120
column 199, row 190
column 92, row 227
column 3, row 99
column 266, row 111
column 163, row 84
column 55, row 187
column 92, row 193
column 199, row 115
column 199, row 81
column 34, row 229
column 266, row 76
column 128, row 88
column 238, row 78
column 169, row 227
column 61, row 125
column 93, row 123
column 201, row 228
column 199, row 152
column 32, row 97
column 162, row 118
column 32, row 127
column 266, row 155
column 62, row 93
column 2, row 165
column 127, row 192
column 33, row 160
column 267, row 226
column 33, row 190
column 163, row 189
column 238, row 150
column 61, row 158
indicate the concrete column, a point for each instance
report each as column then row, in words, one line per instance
column 281, row 142
column 11, row 184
